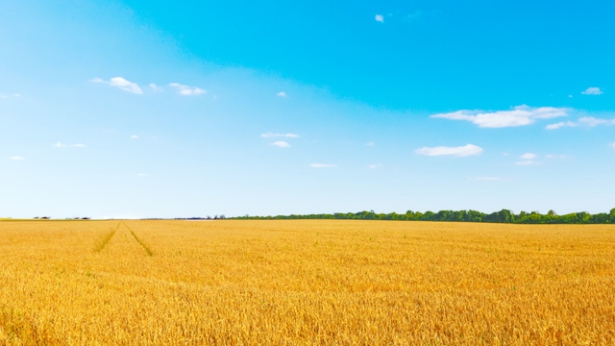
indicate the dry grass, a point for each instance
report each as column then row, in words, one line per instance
column 305, row 283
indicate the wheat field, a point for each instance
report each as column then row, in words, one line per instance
column 305, row 283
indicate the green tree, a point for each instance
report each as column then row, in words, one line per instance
column 475, row 216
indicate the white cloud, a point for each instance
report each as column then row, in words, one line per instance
column 155, row 87
column 120, row 83
column 560, row 124
column 613, row 145
column 518, row 116
column 62, row 145
column 584, row 121
column 370, row 144
column 17, row 158
column 271, row 134
column 466, row 150
column 134, row 137
column 487, row 178
column 592, row 91
column 186, row 90
column 591, row 121
column 281, row 144
column 322, row 165
column 528, row 159
column 282, row 94
column 375, row 166
column 379, row 18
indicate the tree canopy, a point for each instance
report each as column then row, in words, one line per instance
column 502, row 216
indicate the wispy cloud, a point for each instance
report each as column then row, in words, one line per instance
column 379, row 18
column 584, row 121
column 613, row 145
column 376, row 166
column 134, row 137
column 120, row 83
column 9, row 96
column 187, row 90
column 466, row 150
column 281, row 144
column 518, row 116
column 592, row 91
column 527, row 159
column 560, row 125
column 487, row 178
column 155, row 87
column 271, row 135
column 591, row 121
column 62, row 145
column 322, row 165
column 370, row 144
column 282, row 94
column 17, row 158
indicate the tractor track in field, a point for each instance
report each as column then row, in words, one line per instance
column 148, row 251
column 104, row 241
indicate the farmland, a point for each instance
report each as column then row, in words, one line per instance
column 305, row 282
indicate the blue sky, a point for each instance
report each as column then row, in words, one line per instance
column 177, row 109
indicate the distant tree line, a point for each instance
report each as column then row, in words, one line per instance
column 68, row 218
column 502, row 216
column 217, row 217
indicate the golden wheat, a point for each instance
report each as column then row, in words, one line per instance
column 305, row 283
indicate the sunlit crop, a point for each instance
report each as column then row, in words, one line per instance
column 305, row 283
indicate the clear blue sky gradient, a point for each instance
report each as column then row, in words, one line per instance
column 391, row 105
